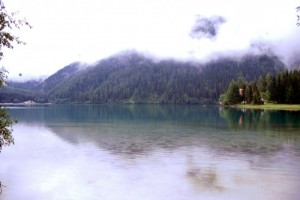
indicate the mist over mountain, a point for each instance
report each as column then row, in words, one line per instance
column 134, row 78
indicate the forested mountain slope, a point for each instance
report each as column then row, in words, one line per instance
column 134, row 78
column 61, row 76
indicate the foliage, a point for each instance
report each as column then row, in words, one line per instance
column 282, row 88
column 232, row 95
column 262, row 84
column 248, row 94
column 3, row 76
column 5, row 129
column 298, row 17
column 8, row 22
column 242, row 92
column 256, row 98
column 5, row 120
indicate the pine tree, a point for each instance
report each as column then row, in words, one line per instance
column 261, row 84
column 248, row 94
column 256, row 98
column 289, row 94
column 232, row 94
column 271, row 88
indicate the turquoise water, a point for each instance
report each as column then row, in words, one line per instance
column 151, row 152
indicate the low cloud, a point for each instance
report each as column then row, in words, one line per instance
column 224, row 28
column 207, row 27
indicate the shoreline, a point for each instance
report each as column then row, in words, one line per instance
column 288, row 107
column 24, row 104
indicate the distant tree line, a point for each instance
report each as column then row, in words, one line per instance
column 282, row 88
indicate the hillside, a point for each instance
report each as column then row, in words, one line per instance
column 133, row 78
column 60, row 76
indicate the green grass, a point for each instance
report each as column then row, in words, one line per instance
column 270, row 106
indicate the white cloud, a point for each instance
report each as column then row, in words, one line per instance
column 65, row 31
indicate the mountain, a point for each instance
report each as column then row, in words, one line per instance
column 134, row 78
column 16, row 92
column 62, row 75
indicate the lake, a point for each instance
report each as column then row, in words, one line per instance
column 151, row 152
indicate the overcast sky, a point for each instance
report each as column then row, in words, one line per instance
column 65, row 31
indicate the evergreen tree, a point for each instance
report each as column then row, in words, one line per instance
column 289, row 94
column 261, row 84
column 232, row 94
column 256, row 99
column 282, row 88
column 295, row 81
column 248, row 94
column 271, row 87
column 268, row 86
column 241, row 82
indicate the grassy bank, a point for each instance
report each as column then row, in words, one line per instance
column 270, row 106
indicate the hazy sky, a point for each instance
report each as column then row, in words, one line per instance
column 65, row 31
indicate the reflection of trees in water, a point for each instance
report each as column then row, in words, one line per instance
column 246, row 119
column 262, row 119
column 180, row 114
column 134, row 130
column 278, row 131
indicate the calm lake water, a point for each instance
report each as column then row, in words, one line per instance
column 151, row 152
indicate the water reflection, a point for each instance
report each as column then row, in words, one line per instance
column 131, row 140
column 192, row 115
column 152, row 152
column 102, row 113
column 260, row 119
column 202, row 177
column 138, row 129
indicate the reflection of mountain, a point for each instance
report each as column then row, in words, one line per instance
column 206, row 116
column 131, row 139
column 133, row 130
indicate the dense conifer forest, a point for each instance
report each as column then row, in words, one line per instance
column 134, row 78
column 282, row 88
